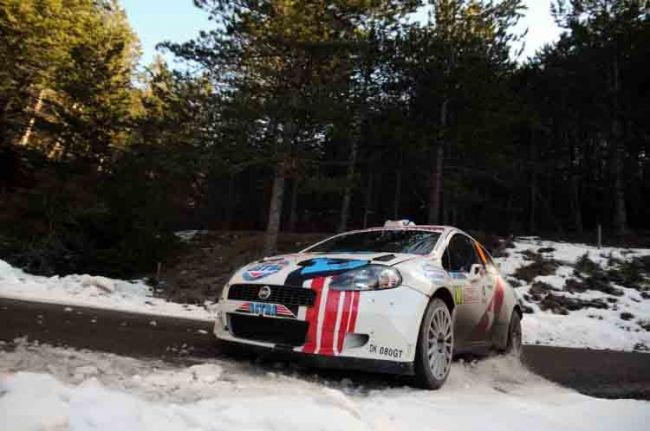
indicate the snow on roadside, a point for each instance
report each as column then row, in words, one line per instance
column 188, row 235
column 92, row 291
column 53, row 388
column 587, row 327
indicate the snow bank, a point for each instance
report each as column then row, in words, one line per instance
column 91, row 291
column 588, row 327
column 43, row 389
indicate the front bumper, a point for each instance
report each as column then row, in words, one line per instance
column 342, row 329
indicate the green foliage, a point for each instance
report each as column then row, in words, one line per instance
column 356, row 109
column 68, row 110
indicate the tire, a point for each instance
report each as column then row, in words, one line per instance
column 513, row 346
column 435, row 346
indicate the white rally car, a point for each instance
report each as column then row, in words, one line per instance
column 400, row 298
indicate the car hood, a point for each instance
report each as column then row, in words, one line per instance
column 278, row 269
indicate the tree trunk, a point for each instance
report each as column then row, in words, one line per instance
column 398, row 191
column 293, row 214
column 532, row 216
column 620, row 212
column 436, row 187
column 275, row 210
column 436, row 183
column 349, row 180
column 24, row 140
column 368, row 203
column 575, row 192
column 230, row 204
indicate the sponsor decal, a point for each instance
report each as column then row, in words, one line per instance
column 391, row 352
column 264, row 269
column 458, row 275
column 458, row 295
column 322, row 265
column 433, row 273
column 265, row 309
column 492, row 311
column 471, row 295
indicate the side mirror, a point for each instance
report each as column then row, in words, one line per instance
column 475, row 271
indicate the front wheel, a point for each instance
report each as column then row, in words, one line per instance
column 435, row 346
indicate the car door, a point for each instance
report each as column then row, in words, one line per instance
column 493, row 313
column 468, row 284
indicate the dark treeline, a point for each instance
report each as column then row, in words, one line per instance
column 315, row 115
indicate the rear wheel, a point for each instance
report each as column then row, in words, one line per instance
column 435, row 346
column 513, row 347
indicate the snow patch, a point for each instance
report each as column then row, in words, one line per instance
column 587, row 327
column 188, row 235
column 92, row 291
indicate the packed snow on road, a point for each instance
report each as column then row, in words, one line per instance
column 566, row 310
column 47, row 388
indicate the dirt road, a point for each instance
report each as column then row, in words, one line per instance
column 598, row 373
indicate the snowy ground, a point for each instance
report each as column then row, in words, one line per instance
column 92, row 291
column 46, row 388
column 588, row 327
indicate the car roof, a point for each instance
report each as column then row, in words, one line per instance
column 429, row 228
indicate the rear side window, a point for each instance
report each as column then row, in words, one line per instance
column 460, row 254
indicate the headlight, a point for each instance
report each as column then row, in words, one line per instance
column 371, row 277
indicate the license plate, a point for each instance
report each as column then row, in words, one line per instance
column 262, row 309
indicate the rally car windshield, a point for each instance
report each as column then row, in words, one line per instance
column 380, row 241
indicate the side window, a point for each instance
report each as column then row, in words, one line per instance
column 462, row 254
column 446, row 260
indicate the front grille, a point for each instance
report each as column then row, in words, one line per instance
column 289, row 296
column 278, row 331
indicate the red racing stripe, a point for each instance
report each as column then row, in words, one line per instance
column 345, row 319
column 312, row 316
column 498, row 297
column 355, row 312
column 494, row 308
column 329, row 323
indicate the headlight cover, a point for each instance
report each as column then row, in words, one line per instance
column 370, row 277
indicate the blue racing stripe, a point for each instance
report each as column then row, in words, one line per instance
column 325, row 264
